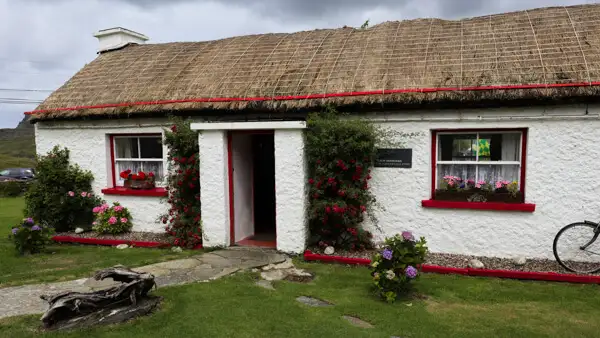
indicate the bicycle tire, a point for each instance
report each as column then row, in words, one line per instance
column 560, row 232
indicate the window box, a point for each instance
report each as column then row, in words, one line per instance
column 477, row 196
column 122, row 191
column 523, row 207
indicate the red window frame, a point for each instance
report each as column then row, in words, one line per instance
column 431, row 203
column 119, row 190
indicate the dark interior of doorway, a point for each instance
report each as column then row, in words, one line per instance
column 263, row 151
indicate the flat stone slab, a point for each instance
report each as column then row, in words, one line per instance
column 314, row 302
column 358, row 322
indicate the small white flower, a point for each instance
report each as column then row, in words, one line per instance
column 390, row 274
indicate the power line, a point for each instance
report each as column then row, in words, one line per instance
column 25, row 90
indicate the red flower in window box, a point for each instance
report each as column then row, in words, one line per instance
column 139, row 180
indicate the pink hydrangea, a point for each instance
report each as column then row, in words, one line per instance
column 96, row 210
column 112, row 220
column 84, row 194
column 70, row 193
column 118, row 208
column 123, row 220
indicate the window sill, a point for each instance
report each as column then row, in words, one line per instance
column 524, row 207
column 156, row 192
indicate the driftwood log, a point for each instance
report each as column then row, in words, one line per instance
column 116, row 304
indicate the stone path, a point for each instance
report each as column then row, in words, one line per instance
column 24, row 300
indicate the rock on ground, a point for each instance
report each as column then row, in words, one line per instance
column 476, row 264
column 520, row 261
column 122, row 246
column 329, row 250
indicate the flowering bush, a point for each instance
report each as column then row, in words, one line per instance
column 183, row 221
column 397, row 266
column 111, row 220
column 340, row 154
column 30, row 237
column 48, row 198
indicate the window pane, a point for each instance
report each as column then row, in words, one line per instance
column 457, row 147
column 135, row 166
column 151, row 147
column 464, row 171
column 500, row 147
column 494, row 173
column 126, row 147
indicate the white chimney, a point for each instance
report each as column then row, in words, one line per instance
column 118, row 37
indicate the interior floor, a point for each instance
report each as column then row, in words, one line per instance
column 266, row 240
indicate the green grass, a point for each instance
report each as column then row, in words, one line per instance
column 17, row 151
column 454, row 307
column 63, row 262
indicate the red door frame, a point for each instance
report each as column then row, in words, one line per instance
column 230, row 134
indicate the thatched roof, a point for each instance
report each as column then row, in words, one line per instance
column 413, row 61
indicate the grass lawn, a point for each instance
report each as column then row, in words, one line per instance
column 455, row 307
column 63, row 262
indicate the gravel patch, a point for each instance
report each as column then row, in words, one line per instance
column 462, row 261
column 129, row 236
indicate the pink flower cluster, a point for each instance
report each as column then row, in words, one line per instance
column 83, row 194
column 101, row 209
column 452, row 180
column 501, row 184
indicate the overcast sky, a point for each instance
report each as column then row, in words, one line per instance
column 44, row 42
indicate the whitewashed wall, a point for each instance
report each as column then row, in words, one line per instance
column 561, row 179
column 89, row 146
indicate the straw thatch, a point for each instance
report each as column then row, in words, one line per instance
column 554, row 45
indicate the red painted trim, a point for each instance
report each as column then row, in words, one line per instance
column 111, row 242
column 433, row 161
column 540, row 276
column 112, row 160
column 523, row 161
column 525, row 207
column 474, row 130
column 326, row 95
column 156, row 192
column 231, row 192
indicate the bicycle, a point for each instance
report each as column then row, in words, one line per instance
column 579, row 238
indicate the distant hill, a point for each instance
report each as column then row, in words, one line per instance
column 17, row 145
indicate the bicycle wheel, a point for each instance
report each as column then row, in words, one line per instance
column 567, row 248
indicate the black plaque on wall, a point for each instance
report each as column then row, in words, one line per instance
column 394, row 158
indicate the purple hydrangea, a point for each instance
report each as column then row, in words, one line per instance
column 14, row 231
column 408, row 236
column 35, row 228
column 29, row 220
column 411, row 272
column 387, row 254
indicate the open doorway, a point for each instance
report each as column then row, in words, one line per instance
column 252, row 172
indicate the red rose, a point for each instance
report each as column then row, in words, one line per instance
column 174, row 128
column 151, row 174
column 311, row 181
column 328, row 210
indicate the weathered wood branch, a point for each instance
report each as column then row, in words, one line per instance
column 119, row 303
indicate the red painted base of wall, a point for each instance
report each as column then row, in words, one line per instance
column 541, row 276
column 113, row 242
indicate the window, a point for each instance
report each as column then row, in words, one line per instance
column 486, row 155
column 137, row 153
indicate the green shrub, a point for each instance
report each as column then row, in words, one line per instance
column 397, row 266
column 30, row 237
column 48, row 199
column 12, row 188
column 112, row 220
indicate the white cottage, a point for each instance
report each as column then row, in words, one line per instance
column 502, row 97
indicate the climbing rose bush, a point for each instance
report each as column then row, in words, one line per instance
column 30, row 237
column 396, row 267
column 113, row 220
column 182, row 222
column 340, row 154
